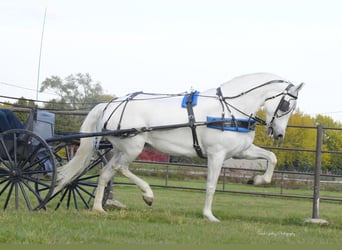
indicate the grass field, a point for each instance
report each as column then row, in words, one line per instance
column 176, row 217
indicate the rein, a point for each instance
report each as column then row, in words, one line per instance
column 224, row 103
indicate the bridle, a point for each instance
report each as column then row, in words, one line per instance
column 283, row 105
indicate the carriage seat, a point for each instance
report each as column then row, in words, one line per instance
column 39, row 121
column 44, row 123
column 8, row 120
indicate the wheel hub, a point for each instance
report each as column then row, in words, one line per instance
column 15, row 173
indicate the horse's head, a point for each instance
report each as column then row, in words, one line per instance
column 278, row 110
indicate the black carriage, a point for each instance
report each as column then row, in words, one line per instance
column 30, row 155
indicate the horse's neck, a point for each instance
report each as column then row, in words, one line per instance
column 251, row 102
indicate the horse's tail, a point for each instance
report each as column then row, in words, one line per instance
column 68, row 172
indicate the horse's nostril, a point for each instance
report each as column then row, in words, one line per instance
column 280, row 136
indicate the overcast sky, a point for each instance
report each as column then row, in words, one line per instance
column 171, row 46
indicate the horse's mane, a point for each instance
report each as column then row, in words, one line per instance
column 245, row 82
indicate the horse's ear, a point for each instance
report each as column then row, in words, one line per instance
column 298, row 87
column 295, row 89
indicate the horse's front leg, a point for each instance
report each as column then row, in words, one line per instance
column 215, row 162
column 253, row 153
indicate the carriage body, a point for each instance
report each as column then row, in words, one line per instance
column 29, row 161
column 39, row 122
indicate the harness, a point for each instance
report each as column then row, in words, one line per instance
column 222, row 123
column 125, row 102
column 189, row 102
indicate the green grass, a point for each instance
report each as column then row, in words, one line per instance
column 176, row 217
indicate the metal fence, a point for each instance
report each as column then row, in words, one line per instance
column 289, row 184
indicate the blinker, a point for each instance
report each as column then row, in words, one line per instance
column 284, row 106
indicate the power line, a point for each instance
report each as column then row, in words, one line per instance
column 48, row 102
column 24, row 88
column 16, row 86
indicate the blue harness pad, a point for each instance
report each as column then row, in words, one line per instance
column 228, row 124
column 193, row 101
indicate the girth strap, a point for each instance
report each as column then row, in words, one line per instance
column 191, row 116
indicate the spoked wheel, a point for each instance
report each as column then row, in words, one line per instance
column 81, row 191
column 27, row 170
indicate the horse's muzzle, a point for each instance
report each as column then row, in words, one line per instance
column 270, row 133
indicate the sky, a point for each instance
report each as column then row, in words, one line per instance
column 173, row 46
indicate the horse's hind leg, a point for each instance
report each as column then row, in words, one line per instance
column 106, row 175
column 143, row 185
column 119, row 163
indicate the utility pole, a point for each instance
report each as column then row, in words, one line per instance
column 40, row 53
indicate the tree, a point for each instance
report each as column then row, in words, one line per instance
column 75, row 92
column 22, row 102
column 333, row 142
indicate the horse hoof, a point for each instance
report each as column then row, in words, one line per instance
column 148, row 200
column 250, row 182
column 115, row 204
column 99, row 211
column 259, row 180
column 210, row 217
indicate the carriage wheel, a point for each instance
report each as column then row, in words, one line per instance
column 81, row 191
column 27, row 170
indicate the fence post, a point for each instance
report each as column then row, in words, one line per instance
column 224, row 179
column 281, row 183
column 318, row 161
column 167, row 176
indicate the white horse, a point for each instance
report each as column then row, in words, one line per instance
column 234, row 105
